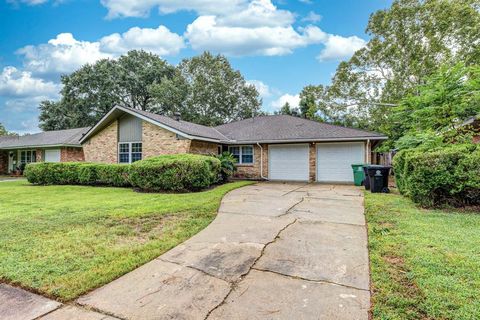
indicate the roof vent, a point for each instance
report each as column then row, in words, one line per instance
column 177, row 116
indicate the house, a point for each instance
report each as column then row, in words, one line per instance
column 277, row 147
column 473, row 125
column 51, row 146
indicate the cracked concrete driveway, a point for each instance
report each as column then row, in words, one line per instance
column 275, row 251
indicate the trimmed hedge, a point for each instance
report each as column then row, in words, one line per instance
column 442, row 176
column 175, row 172
column 180, row 172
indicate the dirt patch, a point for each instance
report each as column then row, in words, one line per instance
column 139, row 230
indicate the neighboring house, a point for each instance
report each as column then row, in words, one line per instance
column 52, row 146
column 276, row 147
column 473, row 124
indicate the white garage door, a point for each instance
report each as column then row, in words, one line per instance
column 334, row 160
column 288, row 162
column 52, row 155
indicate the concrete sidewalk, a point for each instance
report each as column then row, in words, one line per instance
column 275, row 251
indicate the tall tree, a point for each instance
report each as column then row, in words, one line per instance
column 91, row 91
column 5, row 132
column 408, row 42
column 287, row 109
column 208, row 91
column 443, row 103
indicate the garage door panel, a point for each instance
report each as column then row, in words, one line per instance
column 288, row 162
column 334, row 161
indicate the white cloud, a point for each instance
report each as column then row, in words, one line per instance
column 160, row 41
column 312, row 17
column 205, row 34
column 293, row 100
column 16, row 83
column 28, row 2
column 65, row 54
column 338, row 47
column 61, row 55
column 141, row 8
column 262, row 88
column 259, row 13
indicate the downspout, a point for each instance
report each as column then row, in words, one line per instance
column 261, row 162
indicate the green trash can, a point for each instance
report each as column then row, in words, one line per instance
column 358, row 173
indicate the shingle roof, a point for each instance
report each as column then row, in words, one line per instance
column 69, row 137
column 289, row 128
column 189, row 128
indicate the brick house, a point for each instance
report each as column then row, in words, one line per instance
column 52, row 146
column 275, row 147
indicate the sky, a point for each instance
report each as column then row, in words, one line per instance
column 279, row 46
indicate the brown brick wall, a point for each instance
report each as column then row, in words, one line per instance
column 253, row 171
column 39, row 155
column 203, row 147
column 3, row 161
column 158, row 141
column 103, row 146
column 72, row 155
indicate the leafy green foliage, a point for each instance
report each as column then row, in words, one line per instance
column 203, row 89
column 448, row 175
column 441, row 105
column 408, row 42
column 5, row 132
column 91, row 91
column 208, row 91
column 227, row 165
column 180, row 172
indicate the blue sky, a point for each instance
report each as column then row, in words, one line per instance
column 278, row 45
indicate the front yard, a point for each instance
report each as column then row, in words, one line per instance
column 63, row 241
column 425, row 264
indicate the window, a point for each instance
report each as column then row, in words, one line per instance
column 129, row 152
column 28, row 156
column 243, row 154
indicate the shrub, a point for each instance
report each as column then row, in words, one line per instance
column 227, row 165
column 53, row 173
column 115, row 175
column 179, row 172
column 448, row 175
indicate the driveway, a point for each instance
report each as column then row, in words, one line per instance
column 275, row 251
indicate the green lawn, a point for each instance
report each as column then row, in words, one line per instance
column 63, row 241
column 425, row 264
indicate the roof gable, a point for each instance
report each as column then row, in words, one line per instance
column 184, row 128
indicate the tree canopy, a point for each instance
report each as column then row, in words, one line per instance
column 409, row 41
column 5, row 132
column 207, row 90
column 204, row 89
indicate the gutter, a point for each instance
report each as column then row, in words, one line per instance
column 261, row 162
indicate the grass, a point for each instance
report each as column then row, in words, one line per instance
column 63, row 241
column 425, row 264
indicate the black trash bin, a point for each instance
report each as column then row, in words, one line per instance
column 378, row 178
column 366, row 181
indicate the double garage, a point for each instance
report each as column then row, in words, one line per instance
column 291, row 162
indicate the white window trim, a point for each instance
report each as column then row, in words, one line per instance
column 32, row 159
column 240, row 153
column 129, row 151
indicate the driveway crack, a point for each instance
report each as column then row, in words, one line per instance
column 235, row 284
column 310, row 280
